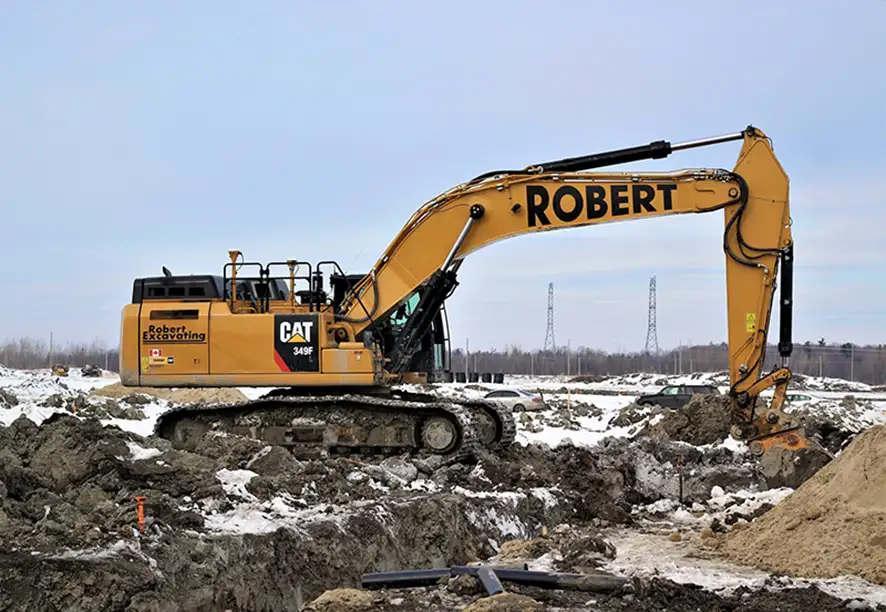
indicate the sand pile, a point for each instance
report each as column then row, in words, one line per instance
column 182, row 396
column 834, row 524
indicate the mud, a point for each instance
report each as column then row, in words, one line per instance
column 266, row 531
column 244, row 526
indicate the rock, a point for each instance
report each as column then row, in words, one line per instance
column 7, row 399
column 783, row 468
column 705, row 419
column 525, row 549
column 505, row 602
column 342, row 600
column 400, row 468
column 90, row 371
column 137, row 399
column 429, row 465
column 464, row 585
column 273, row 460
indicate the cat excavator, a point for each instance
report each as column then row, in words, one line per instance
column 336, row 360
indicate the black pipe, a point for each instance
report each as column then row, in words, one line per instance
column 785, row 344
column 581, row 582
column 598, row 583
column 490, row 581
column 403, row 579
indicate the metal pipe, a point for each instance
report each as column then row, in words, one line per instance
column 458, row 242
column 785, row 343
column 703, row 142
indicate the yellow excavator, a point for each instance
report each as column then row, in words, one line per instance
column 336, row 357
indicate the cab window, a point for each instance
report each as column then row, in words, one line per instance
column 402, row 312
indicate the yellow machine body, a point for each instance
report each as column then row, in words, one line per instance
column 384, row 327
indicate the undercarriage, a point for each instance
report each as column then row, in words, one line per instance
column 378, row 422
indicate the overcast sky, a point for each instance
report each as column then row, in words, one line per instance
column 136, row 135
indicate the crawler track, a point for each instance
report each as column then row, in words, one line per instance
column 313, row 424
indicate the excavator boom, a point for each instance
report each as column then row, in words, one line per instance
column 558, row 195
column 379, row 328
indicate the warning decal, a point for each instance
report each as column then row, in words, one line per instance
column 751, row 322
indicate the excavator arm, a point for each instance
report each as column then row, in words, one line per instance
column 753, row 198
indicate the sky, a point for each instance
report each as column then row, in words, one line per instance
column 138, row 135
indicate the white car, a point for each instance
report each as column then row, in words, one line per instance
column 799, row 398
column 517, row 400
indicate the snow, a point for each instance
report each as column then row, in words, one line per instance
column 234, row 482
column 140, row 453
column 604, row 399
column 276, row 513
column 647, row 555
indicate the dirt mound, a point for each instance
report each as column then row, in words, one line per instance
column 834, row 524
column 176, row 395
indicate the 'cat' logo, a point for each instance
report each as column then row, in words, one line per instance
column 296, row 331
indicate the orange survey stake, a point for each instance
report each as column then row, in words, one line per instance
column 141, row 512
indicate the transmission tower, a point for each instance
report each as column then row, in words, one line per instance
column 549, row 335
column 651, row 332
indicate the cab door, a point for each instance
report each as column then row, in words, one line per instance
column 174, row 338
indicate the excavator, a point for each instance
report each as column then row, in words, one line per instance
column 336, row 361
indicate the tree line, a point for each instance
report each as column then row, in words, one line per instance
column 865, row 363
column 29, row 353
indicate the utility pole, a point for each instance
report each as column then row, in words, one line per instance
column 852, row 362
column 467, row 357
column 569, row 357
column 680, row 356
column 50, row 351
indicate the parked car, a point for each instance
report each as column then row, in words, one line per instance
column 518, row 399
column 676, row 396
column 798, row 398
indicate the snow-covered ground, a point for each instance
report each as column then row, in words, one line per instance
column 651, row 554
column 592, row 406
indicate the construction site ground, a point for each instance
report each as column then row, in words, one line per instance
column 591, row 486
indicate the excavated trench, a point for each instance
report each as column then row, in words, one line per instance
column 241, row 526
